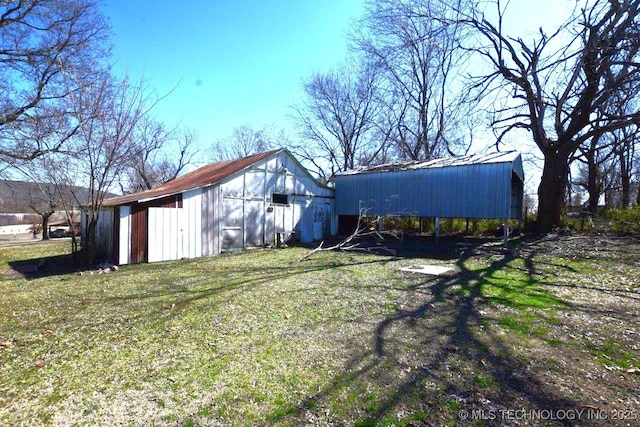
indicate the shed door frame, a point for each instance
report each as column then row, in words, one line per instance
column 138, row 234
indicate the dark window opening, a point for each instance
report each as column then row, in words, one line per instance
column 279, row 199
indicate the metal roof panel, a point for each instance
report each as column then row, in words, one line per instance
column 506, row 157
column 201, row 177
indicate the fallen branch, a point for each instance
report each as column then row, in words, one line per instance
column 362, row 231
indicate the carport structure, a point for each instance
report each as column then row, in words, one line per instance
column 478, row 186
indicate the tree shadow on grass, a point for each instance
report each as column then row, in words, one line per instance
column 437, row 361
column 232, row 282
column 176, row 293
column 35, row 268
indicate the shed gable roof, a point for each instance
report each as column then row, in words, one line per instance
column 201, row 177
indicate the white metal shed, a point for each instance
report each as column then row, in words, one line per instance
column 243, row 203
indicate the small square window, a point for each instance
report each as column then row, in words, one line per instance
column 279, row 199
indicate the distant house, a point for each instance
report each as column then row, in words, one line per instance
column 244, row 203
column 478, row 186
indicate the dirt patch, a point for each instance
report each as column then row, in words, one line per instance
column 20, row 271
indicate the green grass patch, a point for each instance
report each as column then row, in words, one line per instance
column 483, row 381
column 515, row 324
column 31, row 253
column 613, row 353
column 514, row 288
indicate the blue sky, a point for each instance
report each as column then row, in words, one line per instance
column 243, row 63
column 234, row 63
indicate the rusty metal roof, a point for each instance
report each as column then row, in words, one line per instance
column 200, row 177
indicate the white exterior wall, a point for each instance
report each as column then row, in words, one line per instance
column 174, row 232
column 165, row 234
column 125, row 235
column 248, row 218
column 192, row 223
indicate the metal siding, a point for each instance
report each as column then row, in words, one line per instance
column 165, row 234
column 115, row 238
column 278, row 218
column 192, row 224
column 104, row 233
column 205, row 213
column 138, row 252
column 254, row 184
column 466, row 191
column 505, row 191
column 305, row 221
column 125, row 232
column 209, row 221
column 215, row 231
column 254, row 223
column 485, row 194
column 269, row 226
column 232, row 219
column 437, row 195
column 298, row 206
column 272, row 164
column 517, row 167
column 246, row 199
column 234, row 187
column 155, row 224
column 334, row 218
column 516, row 197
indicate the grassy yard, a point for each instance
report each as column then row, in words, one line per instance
column 257, row 338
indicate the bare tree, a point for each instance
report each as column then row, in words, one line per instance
column 40, row 40
column 60, row 178
column 38, row 195
column 46, row 191
column 637, row 182
column 50, row 188
column 415, row 44
column 555, row 92
column 610, row 157
column 626, row 140
column 108, row 111
column 337, row 119
column 161, row 155
column 595, row 156
column 245, row 141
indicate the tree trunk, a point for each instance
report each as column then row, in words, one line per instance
column 626, row 193
column 608, row 199
column 45, row 225
column 91, row 242
column 593, row 185
column 551, row 192
column 625, row 180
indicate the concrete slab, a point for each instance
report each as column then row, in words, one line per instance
column 431, row 270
